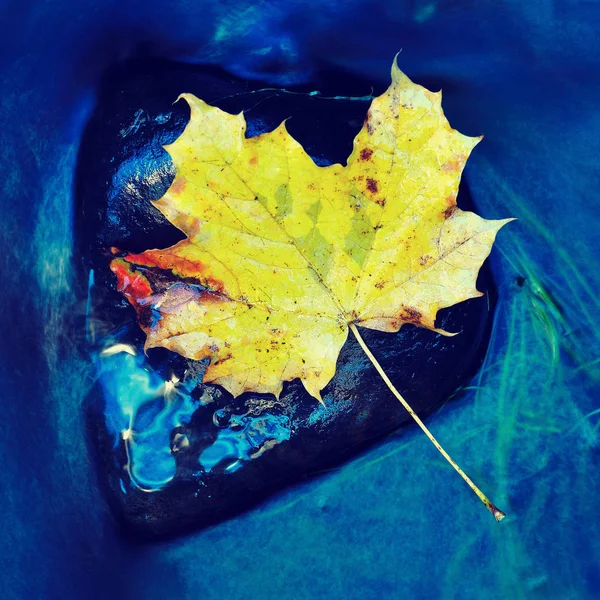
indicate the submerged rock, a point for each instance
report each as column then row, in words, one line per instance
column 175, row 454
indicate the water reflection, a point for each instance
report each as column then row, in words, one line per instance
column 245, row 438
column 142, row 409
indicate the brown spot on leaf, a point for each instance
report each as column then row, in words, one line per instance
column 380, row 201
column 223, row 359
column 379, row 285
column 368, row 124
column 410, row 315
column 146, row 318
column 450, row 211
column 253, row 160
column 366, row 153
column 211, row 298
column 372, row 185
column 424, row 260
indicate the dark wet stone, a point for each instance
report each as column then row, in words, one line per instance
column 180, row 455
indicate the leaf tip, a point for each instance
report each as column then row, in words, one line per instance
column 395, row 61
column 182, row 95
column 277, row 391
column 446, row 333
column 282, row 127
column 500, row 223
column 312, row 387
column 476, row 139
column 398, row 76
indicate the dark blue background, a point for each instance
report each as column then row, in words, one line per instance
column 396, row 522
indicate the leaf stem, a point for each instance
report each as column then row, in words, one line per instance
column 498, row 514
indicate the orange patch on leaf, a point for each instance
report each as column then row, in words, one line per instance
column 178, row 185
column 180, row 266
column 455, row 165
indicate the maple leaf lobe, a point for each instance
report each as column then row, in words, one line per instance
column 282, row 254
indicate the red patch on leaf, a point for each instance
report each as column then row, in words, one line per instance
column 131, row 283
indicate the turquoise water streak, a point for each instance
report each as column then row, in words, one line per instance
column 142, row 409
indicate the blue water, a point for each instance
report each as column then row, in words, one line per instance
column 395, row 523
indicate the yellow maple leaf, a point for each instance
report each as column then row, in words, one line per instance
column 283, row 257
